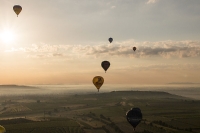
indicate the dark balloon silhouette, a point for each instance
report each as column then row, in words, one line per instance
column 134, row 48
column 17, row 9
column 110, row 40
column 134, row 116
column 105, row 65
column 98, row 82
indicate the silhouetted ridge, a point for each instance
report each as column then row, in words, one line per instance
column 15, row 121
column 17, row 86
column 139, row 94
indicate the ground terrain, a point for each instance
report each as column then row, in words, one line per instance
column 99, row 113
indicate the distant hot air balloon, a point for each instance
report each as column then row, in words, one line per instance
column 17, row 9
column 2, row 129
column 110, row 40
column 134, row 48
column 98, row 82
column 105, row 65
column 134, row 116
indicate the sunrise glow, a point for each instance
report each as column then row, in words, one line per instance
column 7, row 36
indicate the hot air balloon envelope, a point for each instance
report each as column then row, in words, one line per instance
column 134, row 48
column 98, row 81
column 134, row 116
column 110, row 39
column 17, row 9
column 2, row 129
column 105, row 65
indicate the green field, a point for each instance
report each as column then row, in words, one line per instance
column 99, row 113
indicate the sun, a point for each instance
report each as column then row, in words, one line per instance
column 7, row 36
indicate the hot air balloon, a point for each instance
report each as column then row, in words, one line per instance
column 110, row 39
column 134, row 48
column 98, row 82
column 105, row 65
column 2, row 129
column 17, row 9
column 134, row 116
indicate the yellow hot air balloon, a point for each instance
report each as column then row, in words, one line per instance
column 98, row 82
column 2, row 129
column 17, row 9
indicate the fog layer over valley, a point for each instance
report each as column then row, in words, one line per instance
column 186, row 90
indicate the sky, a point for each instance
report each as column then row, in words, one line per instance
column 65, row 41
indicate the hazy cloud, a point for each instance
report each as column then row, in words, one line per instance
column 58, row 55
column 164, row 49
column 42, row 48
column 151, row 1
